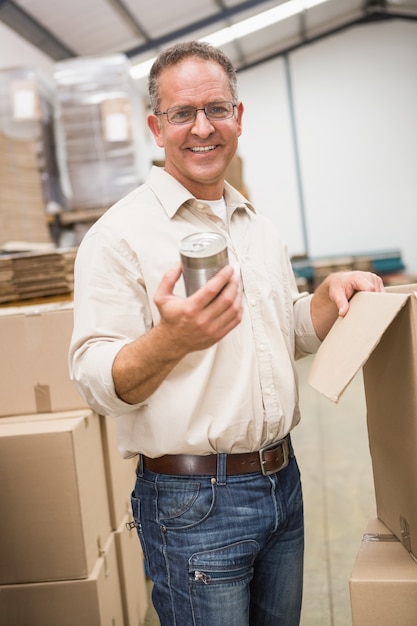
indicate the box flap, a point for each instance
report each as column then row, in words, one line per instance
column 409, row 288
column 351, row 340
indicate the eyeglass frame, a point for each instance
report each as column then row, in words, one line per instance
column 196, row 110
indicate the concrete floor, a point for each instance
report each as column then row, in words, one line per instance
column 332, row 451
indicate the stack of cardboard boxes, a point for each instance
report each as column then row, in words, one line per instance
column 386, row 263
column 29, row 180
column 380, row 334
column 26, row 275
column 67, row 554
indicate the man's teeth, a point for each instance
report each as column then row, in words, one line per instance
column 203, row 149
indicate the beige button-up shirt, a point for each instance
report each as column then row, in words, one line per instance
column 237, row 396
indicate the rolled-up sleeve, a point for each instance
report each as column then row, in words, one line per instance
column 97, row 304
column 306, row 340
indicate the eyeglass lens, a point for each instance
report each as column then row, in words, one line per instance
column 187, row 114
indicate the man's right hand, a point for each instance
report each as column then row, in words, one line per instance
column 186, row 325
column 207, row 315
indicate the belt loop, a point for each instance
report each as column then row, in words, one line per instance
column 221, row 468
column 139, row 467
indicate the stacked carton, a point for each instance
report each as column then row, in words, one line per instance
column 67, row 555
column 29, row 181
column 383, row 584
column 25, row 275
column 386, row 263
column 380, row 334
column 95, row 124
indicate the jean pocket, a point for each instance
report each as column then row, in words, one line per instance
column 226, row 564
column 219, row 583
column 182, row 505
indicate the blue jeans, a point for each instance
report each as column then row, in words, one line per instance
column 223, row 551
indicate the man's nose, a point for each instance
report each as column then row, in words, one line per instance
column 202, row 124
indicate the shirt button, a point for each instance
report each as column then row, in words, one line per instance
column 268, row 391
column 261, row 347
column 253, row 302
column 200, row 206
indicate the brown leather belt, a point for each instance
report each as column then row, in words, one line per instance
column 268, row 460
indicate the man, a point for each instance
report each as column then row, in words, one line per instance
column 203, row 388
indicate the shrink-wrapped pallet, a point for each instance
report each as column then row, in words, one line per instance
column 95, row 124
column 29, row 179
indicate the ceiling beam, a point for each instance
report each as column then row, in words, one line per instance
column 219, row 16
column 236, row 43
column 30, row 29
column 369, row 17
column 128, row 17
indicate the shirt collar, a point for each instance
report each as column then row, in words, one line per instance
column 235, row 200
column 172, row 195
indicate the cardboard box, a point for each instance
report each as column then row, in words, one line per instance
column 131, row 574
column 120, row 473
column 380, row 334
column 54, row 513
column 383, row 584
column 34, row 375
column 94, row 601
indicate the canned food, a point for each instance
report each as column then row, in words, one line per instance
column 202, row 256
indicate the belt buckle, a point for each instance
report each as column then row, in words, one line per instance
column 283, row 443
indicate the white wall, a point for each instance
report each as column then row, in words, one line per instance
column 267, row 149
column 355, row 103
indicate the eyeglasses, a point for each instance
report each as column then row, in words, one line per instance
column 186, row 115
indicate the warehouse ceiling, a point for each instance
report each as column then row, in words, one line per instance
column 140, row 28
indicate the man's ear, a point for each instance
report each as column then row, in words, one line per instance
column 155, row 128
column 239, row 115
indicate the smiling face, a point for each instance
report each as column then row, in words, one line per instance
column 197, row 154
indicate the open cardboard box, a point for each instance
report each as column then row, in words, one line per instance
column 379, row 334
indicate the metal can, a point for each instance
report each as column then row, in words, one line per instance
column 202, row 256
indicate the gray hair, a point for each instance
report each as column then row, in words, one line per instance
column 185, row 50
